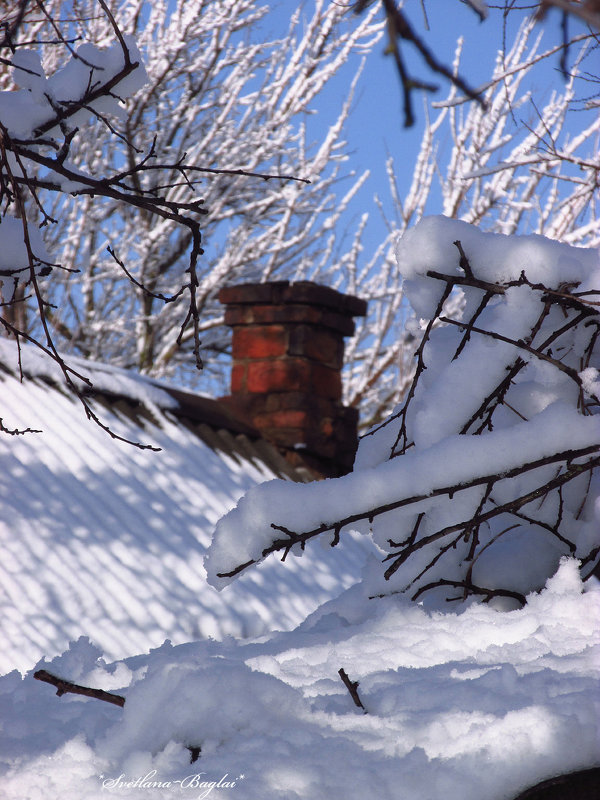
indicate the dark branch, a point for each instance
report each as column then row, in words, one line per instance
column 16, row 431
column 573, row 374
column 66, row 687
column 471, row 589
column 352, row 687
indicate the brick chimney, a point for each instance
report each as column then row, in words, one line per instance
column 288, row 351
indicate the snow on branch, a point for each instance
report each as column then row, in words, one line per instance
column 487, row 473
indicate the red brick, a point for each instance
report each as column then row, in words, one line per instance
column 239, row 315
column 254, row 293
column 308, row 401
column 293, row 375
column 326, row 382
column 294, row 313
column 326, row 427
column 238, row 378
column 283, row 419
column 259, row 341
column 319, row 344
column 278, row 292
column 285, row 437
column 290, row 374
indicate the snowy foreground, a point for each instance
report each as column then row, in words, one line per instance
column 480, row 704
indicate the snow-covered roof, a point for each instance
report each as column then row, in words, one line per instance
column 103, row 539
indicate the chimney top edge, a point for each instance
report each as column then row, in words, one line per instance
column 284, row 292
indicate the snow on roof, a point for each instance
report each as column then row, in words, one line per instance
column 102, row 539
column 105, row 378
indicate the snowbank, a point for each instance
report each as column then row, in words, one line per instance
column 470, row 706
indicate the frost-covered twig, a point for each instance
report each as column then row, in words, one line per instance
column 217, row 105
column 525, row 166
column 41, row 130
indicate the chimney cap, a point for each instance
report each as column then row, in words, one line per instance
column 285, row 292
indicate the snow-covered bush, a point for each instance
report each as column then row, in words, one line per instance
column 486, row 475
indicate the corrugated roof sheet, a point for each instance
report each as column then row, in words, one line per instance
column 100, row 538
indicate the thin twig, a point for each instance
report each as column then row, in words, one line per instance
column 352, row 687
column 66, row 687
column 16, row 431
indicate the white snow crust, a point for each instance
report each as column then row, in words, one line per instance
column 480, row 704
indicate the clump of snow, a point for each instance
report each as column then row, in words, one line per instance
column 39, row 101
column 590, row 382
column 23, row 111
column 494, row 256
column 479, row 704
column 14, row 257
column 486, row 475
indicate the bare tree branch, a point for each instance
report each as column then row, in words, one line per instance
column 66, row 687
column 352, row 687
